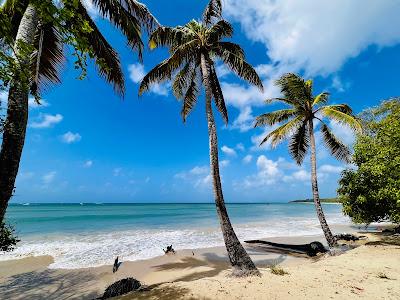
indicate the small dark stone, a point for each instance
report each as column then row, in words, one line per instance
column 121, row 287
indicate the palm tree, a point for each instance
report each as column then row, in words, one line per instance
column 38, row 48
column 193, row 49
column 304, row 109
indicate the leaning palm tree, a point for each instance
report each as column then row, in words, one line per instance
column 193, row 50
column 38, row 40
column 304, row 109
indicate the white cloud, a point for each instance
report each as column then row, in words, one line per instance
column 136, row 74
column 33, row 104
column 70, row 137
column 317, row 36
column 268, row 173
column 224, row 163
column 240, row 147
column 88, row 164
column 330, row 169
column 117, row 172
column 274, row 172
column 222, row 71
column 49, row 177
column 47, row 120
column 339, row 85
column 245, row 121
column 228, row 151
column 247, row 159
column 91, row 8
column 199, row 176
column 343, row 132
column 258, row 138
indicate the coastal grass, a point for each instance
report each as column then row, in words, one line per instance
column 276, row 270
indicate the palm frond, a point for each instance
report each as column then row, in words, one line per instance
column 167, row 37
column 164, row 70
column 321, row 99
column 299, row 143
column 283, row 131
column 295, row 89
column 51, row 58
column 340, row 114
column 143, row 14
column 123, row 19
column 213, row 11
column 182, row 80
column 239, row 66
column 106, row 58
column 274, row 117
column 191, row 95
column 218, row 95
column 219, row 30
column 337, row 148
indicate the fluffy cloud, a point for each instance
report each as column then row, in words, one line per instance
column 317, row 36
column 91, row 8
column 224, row 163
column 330, row 169
column 47, row 120
column 88, row 164
column 199, row 176
column 48, row 177
column 247, row 159
column 136, row 74
column 271, row 172
column 228, row 151
column 70, row 137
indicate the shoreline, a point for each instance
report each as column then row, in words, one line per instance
column 32, row 277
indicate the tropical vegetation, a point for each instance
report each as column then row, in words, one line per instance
column 297, row 125
column 193, row 49
column 32, row 36
column 371, row 191
column 8, row 238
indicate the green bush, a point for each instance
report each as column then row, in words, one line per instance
column 371, row 192
column 8, row 239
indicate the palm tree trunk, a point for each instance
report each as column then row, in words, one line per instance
column 314, row 182
column 17, row 111
column 240, row 260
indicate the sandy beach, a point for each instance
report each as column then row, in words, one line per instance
column 368, row 271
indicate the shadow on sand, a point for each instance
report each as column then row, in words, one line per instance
column 47, row 285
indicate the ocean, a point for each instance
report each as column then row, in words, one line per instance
column 88, row 235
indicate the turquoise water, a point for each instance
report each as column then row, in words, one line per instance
column 91, row 234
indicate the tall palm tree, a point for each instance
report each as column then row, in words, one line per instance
column 193, row 49
column 298, row 126
column 39, row 62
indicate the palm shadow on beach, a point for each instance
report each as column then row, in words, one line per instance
column 48, row 284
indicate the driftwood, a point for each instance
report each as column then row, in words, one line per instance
column 121, row 287
column 348, row 237
column 169, row 250
column 311, row 249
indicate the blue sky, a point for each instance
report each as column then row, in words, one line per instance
column 84, row 144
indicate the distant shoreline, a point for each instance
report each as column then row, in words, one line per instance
column 324, row 200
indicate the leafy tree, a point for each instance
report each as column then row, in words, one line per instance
column 193, row 50
column 298, row 127
column 32, row 36
column 371, row 192
column 8, row 239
